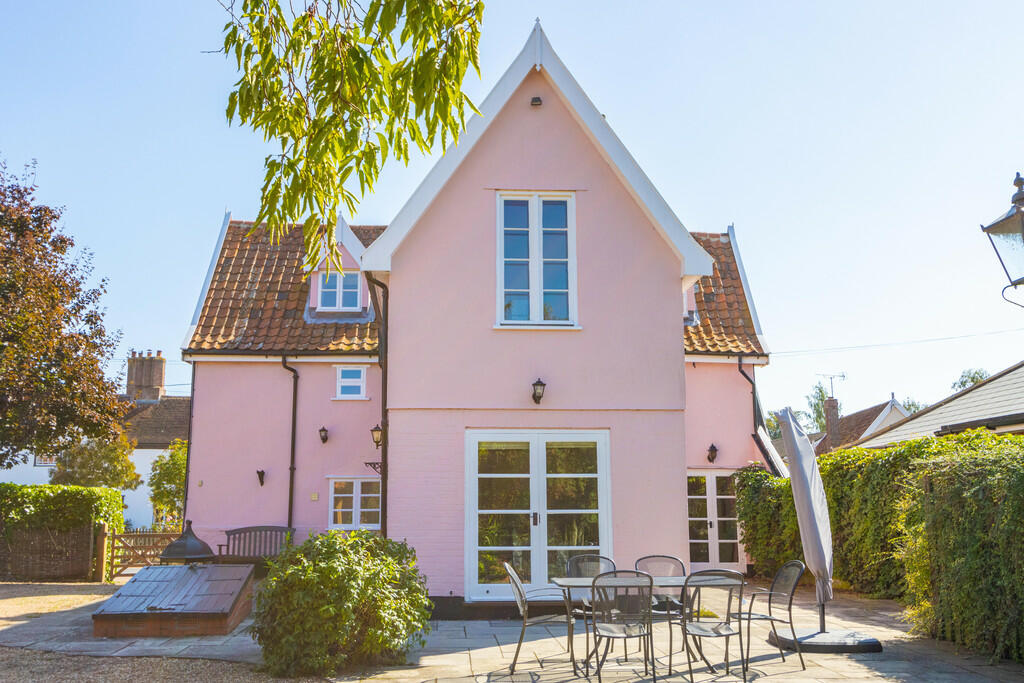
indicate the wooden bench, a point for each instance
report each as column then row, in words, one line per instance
column 254, row 543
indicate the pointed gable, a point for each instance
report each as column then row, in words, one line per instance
column 538, row 55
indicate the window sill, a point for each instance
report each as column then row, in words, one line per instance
column 351, row 398
column 536, row 326
column 339, row 527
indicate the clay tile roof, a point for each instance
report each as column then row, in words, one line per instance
column 258, row 297
column 155, row 424
column 853, row 426
column 725, row 323
column 367, row 233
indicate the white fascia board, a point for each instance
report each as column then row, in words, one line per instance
column 206, row 283
column 362, row 359
column 876, row 424
column 731, row 359
column 746, row 286
column 538, row 54
column 343, row 233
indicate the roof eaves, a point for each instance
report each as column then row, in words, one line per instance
column 734, row 245
column 206, row 282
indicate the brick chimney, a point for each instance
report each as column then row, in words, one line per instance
column 145, row 381
column 832, row 422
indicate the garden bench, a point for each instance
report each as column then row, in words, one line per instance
column 254, row 543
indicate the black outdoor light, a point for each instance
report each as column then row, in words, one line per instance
column 378, row 435
column 712, row 452
column 1007, row 237
column 538, row 390
column 260, row 474
column 323, row 435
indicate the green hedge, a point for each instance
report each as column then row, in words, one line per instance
column 61, row 508
column 938, row 522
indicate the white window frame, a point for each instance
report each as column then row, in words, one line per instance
column 536, row 261
column 44, row 461
column 340, row 290
column 339, row 382
column 357, row 496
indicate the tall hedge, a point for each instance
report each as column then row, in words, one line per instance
column 61, row 508
column 938, row 522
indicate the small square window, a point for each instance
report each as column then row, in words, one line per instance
column 355, row 504
column 351, row 382
column 340, row 292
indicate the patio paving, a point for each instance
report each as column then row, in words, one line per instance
column 482, row 650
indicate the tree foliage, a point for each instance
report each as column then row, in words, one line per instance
column 969, row 377
column 98, row 462
column 58, row 508
column 53, row 344
column 167, row 482
column 342, row 86
column 913, row 405
column 816, row 406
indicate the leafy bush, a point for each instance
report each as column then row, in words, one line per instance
column 167, row 483
column 61, row 508
column 963, row 525
column 340, row 599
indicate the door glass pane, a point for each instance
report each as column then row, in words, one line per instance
column 572, row 530
column 558, row 558
column 696, row 486
column 571, row 458
column 503, row 458
column 491, row 570
column 699, row 552
column 724, row 486
column 572, row 493
column 728, row 552
column 727, row 531
column 517, row 275
column 555, row 244
column 504, row 494
column 517, row 244
column 503, row 530
column 698, row 530
column 698, row 507
column 556, row 275
column 726, row 507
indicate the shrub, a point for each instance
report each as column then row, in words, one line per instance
column 340, row 599
column 60, row 508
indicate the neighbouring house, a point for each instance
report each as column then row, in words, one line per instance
column 552, row 362
column 154, row 420
column 996, row 403
column 842, row 431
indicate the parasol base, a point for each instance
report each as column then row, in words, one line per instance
column 829, row 641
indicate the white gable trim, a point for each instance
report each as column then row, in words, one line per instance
column 746, row 287
column 206, row 283
column 538, row 54
column 884, row 413
column 343, row 233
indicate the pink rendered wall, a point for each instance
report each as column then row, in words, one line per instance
column 242, row 423
column 719, row 412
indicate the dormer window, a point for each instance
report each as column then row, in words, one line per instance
column 536, row 259
column 339, row 291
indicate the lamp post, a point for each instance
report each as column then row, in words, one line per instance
column 1007, row 237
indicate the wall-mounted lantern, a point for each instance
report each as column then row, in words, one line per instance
column 378, row 435
column 1007, row 238
column 538, row 390
column 260, row 474
column 712, row 452
column 323, row 435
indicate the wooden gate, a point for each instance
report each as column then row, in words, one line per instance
column 137, row 549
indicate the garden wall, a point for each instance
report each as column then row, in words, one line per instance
column 937, row 522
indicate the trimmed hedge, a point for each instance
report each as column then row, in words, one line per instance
column 59, row 508
column 938, row 522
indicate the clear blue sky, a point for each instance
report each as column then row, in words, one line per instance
column 856, row 147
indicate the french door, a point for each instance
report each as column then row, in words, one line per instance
column 533, row 499
column 713, row 526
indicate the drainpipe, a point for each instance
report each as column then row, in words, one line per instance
column 188, row 435
column 380, row 306
column 291, row 461
column 753, row 393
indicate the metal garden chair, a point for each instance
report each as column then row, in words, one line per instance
column 728, row 582
column 666, row 605
column 780, row 597
column 587, row 565
column 621, row 609
column 523, row 598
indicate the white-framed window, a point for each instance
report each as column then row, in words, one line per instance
column 45, row 461
column 340, row 291
column 536, row 259
column 351, row 382
column 355, row 504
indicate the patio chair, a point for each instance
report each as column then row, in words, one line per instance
column 782, row 589
column 587, row 565
column 731, row 584
column 523, row 598
column 622, row 610
column 666, row 605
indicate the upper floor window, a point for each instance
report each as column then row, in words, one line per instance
column 340, row 291
column 351, row 382
column 536, row 259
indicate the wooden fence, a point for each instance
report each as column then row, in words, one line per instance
column 137, row 549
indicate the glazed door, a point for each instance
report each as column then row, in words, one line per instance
column 532, row 500
column 712, row 523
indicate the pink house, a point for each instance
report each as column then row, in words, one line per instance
column 556, row 364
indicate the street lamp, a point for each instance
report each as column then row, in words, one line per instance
column 1007, row 237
